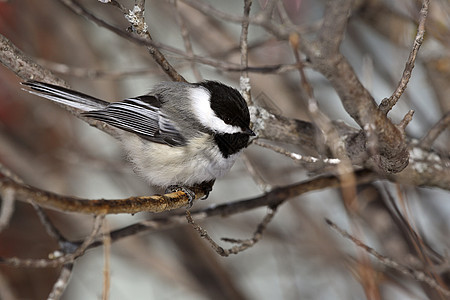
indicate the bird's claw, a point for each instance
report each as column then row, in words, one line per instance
column 187, row 191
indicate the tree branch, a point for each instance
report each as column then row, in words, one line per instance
column 388, row 103
column 157, row 203
column 417, row 275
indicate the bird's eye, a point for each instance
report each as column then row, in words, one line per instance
column 228, row 120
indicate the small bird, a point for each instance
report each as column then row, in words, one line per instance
column 179, row 135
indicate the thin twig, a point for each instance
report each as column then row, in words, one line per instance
column 92, row 73
column 106, row 258
column 242, row 244
column 406, row 119
column 117, row 4
column 225, row 66
column 61, row 283
column 417, row 275
column 145, row 39
column 65, row 258
column 388, row 103
column 52, row 231
column 298, row 157
column 257, row 235
column 331, row 136
column 6, row 291
column 186, row 38
column 427, row 141
column 65, row 245
column 256, row 176
column 243, row 45
column 7, row 197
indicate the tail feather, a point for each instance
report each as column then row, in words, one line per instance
column 64, row 96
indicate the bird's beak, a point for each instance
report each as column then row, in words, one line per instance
column 249, row 132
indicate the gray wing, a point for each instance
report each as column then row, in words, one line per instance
column 141, row 116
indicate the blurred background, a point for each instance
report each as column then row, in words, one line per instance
column 299, row 256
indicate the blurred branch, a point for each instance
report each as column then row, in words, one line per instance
column 186, row 39
column 427, row 141
column 136, row 18
column 7, row 197
column 217, row 63
column 57, row 260
column 106, row 258
column 330, row 134
column 92, row 73
column 417, row 275
column 61, row 283
column 331, row 33
column 6, row 291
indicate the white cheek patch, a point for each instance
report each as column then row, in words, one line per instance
column 202, row 108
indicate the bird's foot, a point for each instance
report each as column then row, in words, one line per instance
column 187, row 191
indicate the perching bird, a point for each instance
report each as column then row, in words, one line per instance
column 178, row 136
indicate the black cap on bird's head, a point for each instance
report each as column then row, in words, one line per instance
column 228, row 104
column 223, row 110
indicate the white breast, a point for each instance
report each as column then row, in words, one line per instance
column 163, row 165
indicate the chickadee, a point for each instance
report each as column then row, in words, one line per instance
column 178, row 136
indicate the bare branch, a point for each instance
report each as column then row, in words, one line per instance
column 106, row 254
column 6, row 292
column 299, row 157
column 334, row 24
column 143, row 38
column 52, row 231
column 245, row 80
column 61, row 283
column 330, row 133
column 242, row 244
column 257, row 178
column 435, row 131
column 7, row 197
column 279, row 128
column 157, row 203
column 392, row 153
column 186, row 39
column 387, row 103
column 58, row 260
column 388, row 262
column 273, row 198
column 23, row 66
column 406, row 119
